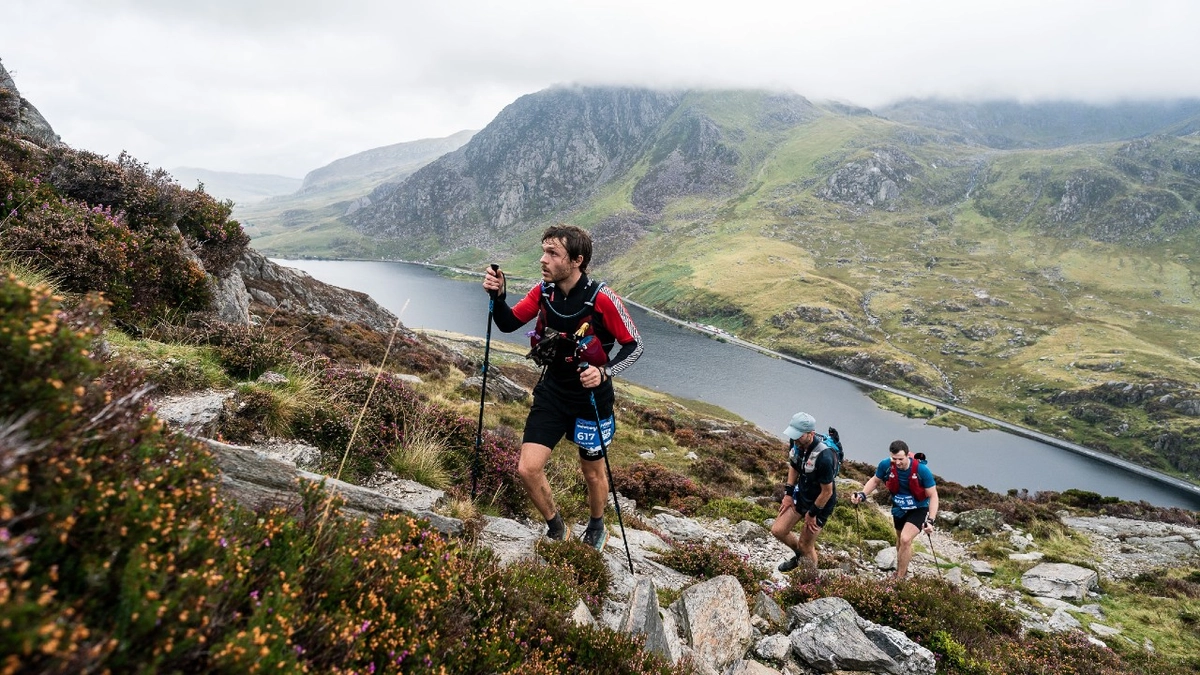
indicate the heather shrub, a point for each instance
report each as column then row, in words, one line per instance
column 721, row 476
column 707, row 560
column 583, row 564
column 46, row 366
column 74, row 227
column 351, row 344
column 655, row 485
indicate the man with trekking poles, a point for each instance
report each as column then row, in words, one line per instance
column 579, row 322
column 813, row 464
column 914, row 499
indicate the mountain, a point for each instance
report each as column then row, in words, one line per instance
column 1037, row 263
column 311, row 220
column 241, row 188
column 1008, row 124
column 390, row 163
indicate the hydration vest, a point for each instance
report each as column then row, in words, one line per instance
column 548, row 345
column 914, row 481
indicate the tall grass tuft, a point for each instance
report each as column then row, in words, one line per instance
column 419, row 454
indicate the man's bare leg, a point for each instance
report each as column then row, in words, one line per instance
column 808, row 545
column 532, row 469
column 904, row 548
column 597, row 486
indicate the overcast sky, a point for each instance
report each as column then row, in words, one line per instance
column 286, row 86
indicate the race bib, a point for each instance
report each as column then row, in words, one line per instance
column 905, row 502
column 586, row 436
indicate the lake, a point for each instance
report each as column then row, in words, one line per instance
column 762, row 389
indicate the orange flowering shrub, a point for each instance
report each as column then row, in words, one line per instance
column 118, row 554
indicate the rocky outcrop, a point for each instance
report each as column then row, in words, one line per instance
column 257, row 481
column 875, row 180
column 19, row 115
column 689, row 159
column 544, row 151
column 276, row 286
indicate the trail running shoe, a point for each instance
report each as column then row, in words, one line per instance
column 556, row 530
column 790, row 564
column 596, row 538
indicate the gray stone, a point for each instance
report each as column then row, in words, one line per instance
column 642, row 618
column 1054, row 604
column 1062, row 621
column 980, row 521
column 509, row 540
column 827, row 637
column 748, row 531
column 715, row 620
column 769, row 610
column 196, row 413
column 230, row 299
column 773, row 648
column 257, row 481
column 886, row 559
column 981, row 567
column 909, row 656
column 1032, row 556
column 499, row 388
column 683, row 528
column 1092, row 610
column 1102, row 630
column 1060, row 580
column 26, row 120
column 271, row 377
column 582, row 616
column 743, row 667
column 296, row 291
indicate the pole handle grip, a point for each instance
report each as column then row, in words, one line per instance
column 496, row 269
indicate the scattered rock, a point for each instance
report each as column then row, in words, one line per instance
column 1060, row 580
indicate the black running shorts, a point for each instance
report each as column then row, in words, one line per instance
column 822, row 515
column 553, row 416
column 914, row 516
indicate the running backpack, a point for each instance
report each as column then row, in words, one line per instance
column 914, row 481
column 834, row 441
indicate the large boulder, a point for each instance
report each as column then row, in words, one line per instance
column 715, row 621
column 21, row 117
column 829, row 636
column 980, row 521
column 1060, row 580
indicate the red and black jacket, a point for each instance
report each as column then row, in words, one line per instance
column 608, row 320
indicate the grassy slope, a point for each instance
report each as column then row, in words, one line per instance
column 992, row 306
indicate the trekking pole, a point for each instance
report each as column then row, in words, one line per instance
column 935, row 556
column 487, row 346
column 611, row 484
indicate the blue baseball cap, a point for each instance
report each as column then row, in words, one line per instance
column 801, row 424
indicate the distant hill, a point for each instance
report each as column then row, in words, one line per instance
column 311, row 220
column 1036, row 263
column 242, row 188
column 1010, row 125
column 379, row 165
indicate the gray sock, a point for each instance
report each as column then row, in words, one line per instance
column 595, row 523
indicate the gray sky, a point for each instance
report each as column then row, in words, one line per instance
column 286, row 86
